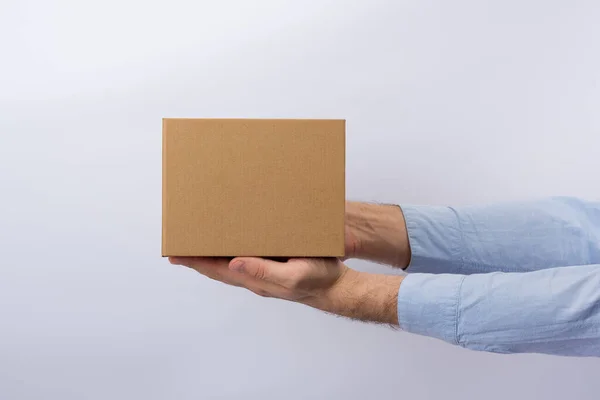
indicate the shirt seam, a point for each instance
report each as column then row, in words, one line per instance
column 593, row 324
column 461, row 240
column 524, row 342
column 457, row 311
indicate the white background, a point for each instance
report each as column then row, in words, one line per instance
column 447, row 102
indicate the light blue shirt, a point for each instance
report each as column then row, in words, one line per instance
column 505, row 278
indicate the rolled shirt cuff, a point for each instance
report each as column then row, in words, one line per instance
column 429, row 305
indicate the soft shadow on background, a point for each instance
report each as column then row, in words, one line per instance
column 446, row 102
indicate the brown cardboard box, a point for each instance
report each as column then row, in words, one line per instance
column 253, row 187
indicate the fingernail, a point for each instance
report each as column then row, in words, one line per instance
column 237, row 265
column 174, row 260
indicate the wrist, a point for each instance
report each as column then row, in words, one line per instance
column 363, row 296
column 377, row 233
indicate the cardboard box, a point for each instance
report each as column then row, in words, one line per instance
column 253, row 187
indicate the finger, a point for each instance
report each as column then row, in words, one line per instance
column 265, row 270
column 211, row 267
column 201, row 263
column 217, row 269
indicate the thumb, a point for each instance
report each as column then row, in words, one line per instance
column 261, row 269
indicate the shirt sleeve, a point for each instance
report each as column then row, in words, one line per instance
column 551, row 311
column 508, row 237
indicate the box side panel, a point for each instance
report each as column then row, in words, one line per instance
column 164, row 249
column 342, row 195
column 254, row 187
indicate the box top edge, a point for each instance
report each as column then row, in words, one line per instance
column 253, row 119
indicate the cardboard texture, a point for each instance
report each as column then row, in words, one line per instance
column 253, row 187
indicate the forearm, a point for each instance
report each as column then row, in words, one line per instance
column 508, row 237
column 362, row 296
column 552, row 311
column 377, row 233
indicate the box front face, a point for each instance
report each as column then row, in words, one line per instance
column 253, row 187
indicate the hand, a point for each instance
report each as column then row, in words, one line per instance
column 323, row 283
column 352, row 245
column 299, row 279
column 377, row 233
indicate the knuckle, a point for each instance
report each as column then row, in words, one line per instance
column 259, row 272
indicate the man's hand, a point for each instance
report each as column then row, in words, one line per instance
column 373, row 232
column 326, row 284
column 377, row 233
